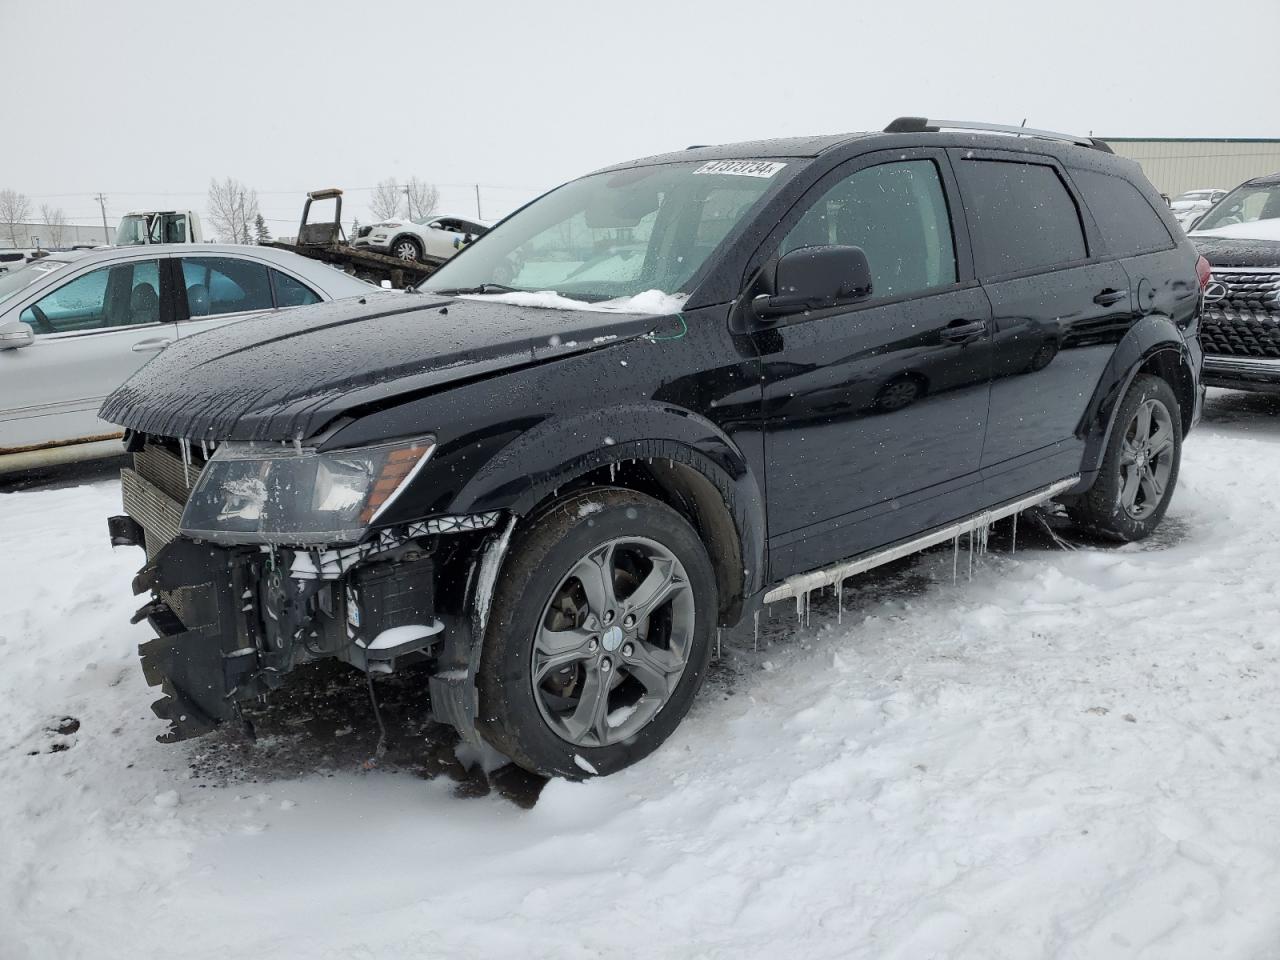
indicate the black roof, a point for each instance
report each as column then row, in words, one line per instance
column 748, row 150
column 1270, row 180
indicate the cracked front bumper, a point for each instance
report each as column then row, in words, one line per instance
column 233, row 621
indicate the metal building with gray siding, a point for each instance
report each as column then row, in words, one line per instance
column 1176, row 166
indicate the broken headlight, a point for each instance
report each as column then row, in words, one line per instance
column 268, row 493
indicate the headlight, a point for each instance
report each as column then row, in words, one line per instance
column 266, row 493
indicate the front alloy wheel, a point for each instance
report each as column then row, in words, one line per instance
column 599, row 634
column 613, row 642
column 405, row 250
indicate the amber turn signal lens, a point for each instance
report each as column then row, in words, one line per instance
column 396, row 469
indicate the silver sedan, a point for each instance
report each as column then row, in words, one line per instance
column 74, row 326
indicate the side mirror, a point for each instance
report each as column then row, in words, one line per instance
column 813, row 278
column 15, row 334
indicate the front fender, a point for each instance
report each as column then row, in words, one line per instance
column 1152, row 335
column 557, row 451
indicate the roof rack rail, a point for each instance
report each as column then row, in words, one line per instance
column 924, row 125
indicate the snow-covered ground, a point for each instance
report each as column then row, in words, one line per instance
column 1074, row 755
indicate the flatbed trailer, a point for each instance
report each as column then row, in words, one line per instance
column 326, row 242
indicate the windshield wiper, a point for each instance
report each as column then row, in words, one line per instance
column 482, row 288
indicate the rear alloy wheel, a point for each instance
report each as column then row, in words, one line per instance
column 599, row 635
column 1140, row 469
column 406, row 248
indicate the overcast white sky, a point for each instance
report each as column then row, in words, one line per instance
column 146, row 100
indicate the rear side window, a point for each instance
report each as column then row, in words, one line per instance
column 1128, row 224
column 1022, row 214
column 290, row 292
column 217, row 285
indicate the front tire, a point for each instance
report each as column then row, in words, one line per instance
column 1140, row 469
column 599, row 635
column 406, row 248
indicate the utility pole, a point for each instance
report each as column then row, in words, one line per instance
column 102, row 204
column 408, row 201
column 479, row 216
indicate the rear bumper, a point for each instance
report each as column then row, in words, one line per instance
column 1241, row 373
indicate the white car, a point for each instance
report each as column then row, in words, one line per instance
column 438, row 238
column 74, row 326
column 1194, row 203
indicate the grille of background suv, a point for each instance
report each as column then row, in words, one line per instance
column 1246, row 323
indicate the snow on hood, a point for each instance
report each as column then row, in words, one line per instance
column 1257, row 230
column 650, row 302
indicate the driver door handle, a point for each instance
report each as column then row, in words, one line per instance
column 958, row 330
column 155, row 343
column 1109, row 297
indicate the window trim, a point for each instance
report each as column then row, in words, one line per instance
column 966, row 276
column 1089, row 229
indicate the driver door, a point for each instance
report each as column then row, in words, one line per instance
column 91, row 333
column 874, row 413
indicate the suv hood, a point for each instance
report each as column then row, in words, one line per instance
column 1222, row 250
column 285, row 376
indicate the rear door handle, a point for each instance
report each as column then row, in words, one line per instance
column 1108, row 297
column 958, row 330
column 155, row 343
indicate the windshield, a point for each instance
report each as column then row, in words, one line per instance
column 132, row 231
column 15, row 281
column 1245, row 204
column 617, row 234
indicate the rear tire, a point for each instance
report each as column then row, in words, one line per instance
column 582, row 676
column 1140, row 469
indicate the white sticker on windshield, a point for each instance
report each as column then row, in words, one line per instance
column 742, row 168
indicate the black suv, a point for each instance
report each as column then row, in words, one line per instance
column 765, row 367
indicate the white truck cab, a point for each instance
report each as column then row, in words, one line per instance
column 158, row 226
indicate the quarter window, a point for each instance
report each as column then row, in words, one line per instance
column 218, row 285
column 897, row 214
column 1022, row 215
column 1127, row 222
column 124, row 295
column 291, row 292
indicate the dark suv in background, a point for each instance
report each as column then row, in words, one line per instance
column 1240, row 328
column 766, row 367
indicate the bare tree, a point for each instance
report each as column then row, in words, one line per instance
column 232, row 209
column 387, row 199
column 55, row 220
column 15, row 207
column 421, row 198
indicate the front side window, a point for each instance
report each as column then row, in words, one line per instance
column 127, row 294
column 218, row 285
column 897, row 214
column 619, row 233
column 1128, row 223
column 1247, row 203
column 1022, row 214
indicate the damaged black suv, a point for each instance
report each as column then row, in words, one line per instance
column 764, row 368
